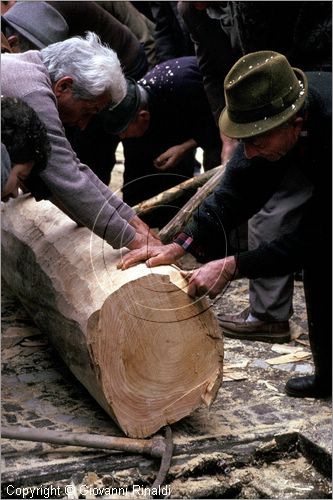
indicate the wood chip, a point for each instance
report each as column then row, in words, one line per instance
column 286, row 349
column 231, row 375
column 34, row 342
column 289, row 358
column 238, row 364
column 303, row 342
column 15, row 334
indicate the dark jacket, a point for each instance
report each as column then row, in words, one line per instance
column 172, row 38
column 248, row 184
column 179, row 111
column 302, row 31
column 89, row 16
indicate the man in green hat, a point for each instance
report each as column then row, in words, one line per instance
column 282, row 120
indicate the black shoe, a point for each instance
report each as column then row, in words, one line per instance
column 309, row 386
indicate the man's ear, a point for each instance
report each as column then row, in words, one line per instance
column 144, row 115
column 63, row 86
column 14, row 43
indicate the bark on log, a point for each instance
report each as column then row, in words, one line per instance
column 145, row 350
column 176, row 224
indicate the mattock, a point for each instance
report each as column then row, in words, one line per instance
column 157, row 446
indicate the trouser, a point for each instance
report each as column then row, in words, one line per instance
column 271, row 298
column 318, row 299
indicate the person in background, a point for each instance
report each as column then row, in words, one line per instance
column 282, row 120
column 163, row 119
column 31, row 25
column 67, row 83
column 25, row 147
column 172, row 38
column 223, row 32
column 138, row 23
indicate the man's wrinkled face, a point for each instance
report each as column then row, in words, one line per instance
column 76, row 111
column 18, row 174
column 273, row 144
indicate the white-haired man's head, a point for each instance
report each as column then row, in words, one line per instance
column 86, row 76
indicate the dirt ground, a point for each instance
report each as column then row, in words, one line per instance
column 254, row 442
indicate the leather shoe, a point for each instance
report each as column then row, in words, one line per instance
column 236, row 326
column 310, row 386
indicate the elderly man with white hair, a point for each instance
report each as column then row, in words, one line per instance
column 69, row 82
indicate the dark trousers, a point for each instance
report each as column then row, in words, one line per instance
column 318, row 299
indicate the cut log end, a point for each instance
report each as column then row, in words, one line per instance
column 163, row 350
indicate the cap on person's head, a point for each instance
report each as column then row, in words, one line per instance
column 5, row 166
column 38, row 22
column 262, row 91
column 116, row 119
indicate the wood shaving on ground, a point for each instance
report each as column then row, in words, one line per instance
column 303, row 342
column 286, row 349
column 229, row 376
column 238, row 364
column 289, row 358
column 15, row 334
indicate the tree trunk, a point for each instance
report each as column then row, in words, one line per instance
column 145, row 350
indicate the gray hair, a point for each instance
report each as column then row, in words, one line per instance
column 94, row 67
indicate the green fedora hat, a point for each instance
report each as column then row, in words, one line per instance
column 262, row 91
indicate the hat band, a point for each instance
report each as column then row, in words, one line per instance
column 268, row 110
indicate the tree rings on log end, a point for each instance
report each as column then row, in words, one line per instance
column 159, row 354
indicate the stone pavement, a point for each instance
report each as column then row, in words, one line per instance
column 254, row 442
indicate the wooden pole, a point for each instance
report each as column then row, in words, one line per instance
column 176, row 224
column 146, row 351
column 172, row 194
column 154, row 446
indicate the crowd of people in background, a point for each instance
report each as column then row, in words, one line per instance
column 248, row 82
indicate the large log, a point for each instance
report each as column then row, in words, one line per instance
column 146, row 351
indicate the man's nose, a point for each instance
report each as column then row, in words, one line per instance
column 14, row 192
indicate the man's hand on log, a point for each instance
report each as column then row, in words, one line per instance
column 145, row 235
column 153, row 255
column 211, row 278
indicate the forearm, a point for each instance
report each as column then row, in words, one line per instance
column 188, row 146
column 124, row 210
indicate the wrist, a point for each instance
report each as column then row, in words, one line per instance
column 184, row 241
column 230, row 268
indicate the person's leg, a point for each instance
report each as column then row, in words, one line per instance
column 318, row 305
column 270, row 299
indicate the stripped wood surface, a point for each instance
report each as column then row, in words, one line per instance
column 146, row 351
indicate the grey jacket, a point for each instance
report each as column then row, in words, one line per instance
column 87, row 200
